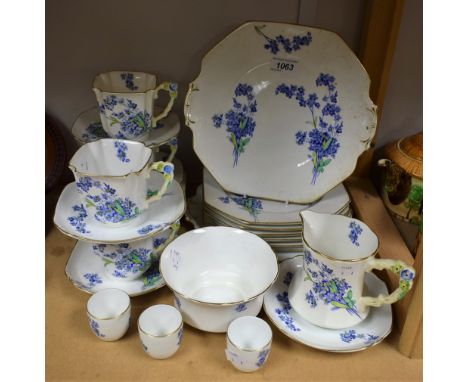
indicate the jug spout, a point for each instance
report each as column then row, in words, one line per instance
column 311, row 225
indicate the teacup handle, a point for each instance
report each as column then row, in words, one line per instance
column 174, row 228
column 398, row 267
column 167, row 169
column 171, row 87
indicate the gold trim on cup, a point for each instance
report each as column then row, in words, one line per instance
column 78, row 284
column 81, row 238
column 145, row 166
column 165, row 335
column 268, row 345
column 115, row 317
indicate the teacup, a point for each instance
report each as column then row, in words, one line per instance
column 111, row 177
column 126, row 102
column 109, row 314
column 161, row 330
column 128, row 261
column 248, row 342
column 338, row 251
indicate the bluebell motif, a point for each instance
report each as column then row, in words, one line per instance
column 177, row 301
column 78, row 221
column 273, row 44
column 95, row 327
column 310, row 298
column 133, row 121
column 329, row 289
column 252, row 205
column 128, row 260
column 322, row 139
column 151, row 276
column 240, row 308
column 159, row 241
column 262, row 357
column 122, row 149
column 288, row 278
column 148, row 228
column 351, row 335
column 309, row 258
column 93, row 279
column 93, row 132
column 128, row 78
column 407, row 275
column 180, row 335
column 355, row 231
column 173, row 87
column 173, row 141
column 283, row 312
column 145, row 348
column 239, row 121
column 110, row 207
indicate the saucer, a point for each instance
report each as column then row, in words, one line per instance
column 86, row 271
column 88, row 128
column 371, row 331
column 158, row 216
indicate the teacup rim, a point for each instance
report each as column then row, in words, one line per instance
column 126, row 141
column 164, row 335
column 255, row 349
column 113, row 317
column 123, row 71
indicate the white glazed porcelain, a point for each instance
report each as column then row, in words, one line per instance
column 215, row 318
column 87, row 272
column 75, row 219
column 126, row 102
column 369, row 332
column 111, row 178
column 109, row 314
column 222, row 272
column 280, row 111
column 161, row 331
column 338, row 252
column 257, row 211
column 129, row 261
column 248, row 343
column 88, row 128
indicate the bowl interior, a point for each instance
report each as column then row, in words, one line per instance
column 110, row 157
column 219, row 265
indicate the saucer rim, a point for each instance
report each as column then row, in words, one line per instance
column 96, row 241
column 298, row 340
column 70, row 279
column 150, row 145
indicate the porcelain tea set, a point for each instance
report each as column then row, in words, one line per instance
column 279, row 114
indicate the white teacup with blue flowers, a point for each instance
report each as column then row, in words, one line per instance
column 109, row 312
column 248, row 343
column 126, row 102
column 111, row 177
column 128, row 261
column 338, row 251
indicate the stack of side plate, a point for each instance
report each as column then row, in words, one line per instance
column 278, row 223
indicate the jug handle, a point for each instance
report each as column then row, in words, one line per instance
column 404, row 271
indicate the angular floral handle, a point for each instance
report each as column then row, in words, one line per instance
column 398, row 267
column 171, row 87
column 174, row 228
column 167, row 169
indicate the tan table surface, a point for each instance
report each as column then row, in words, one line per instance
column 73, row 353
